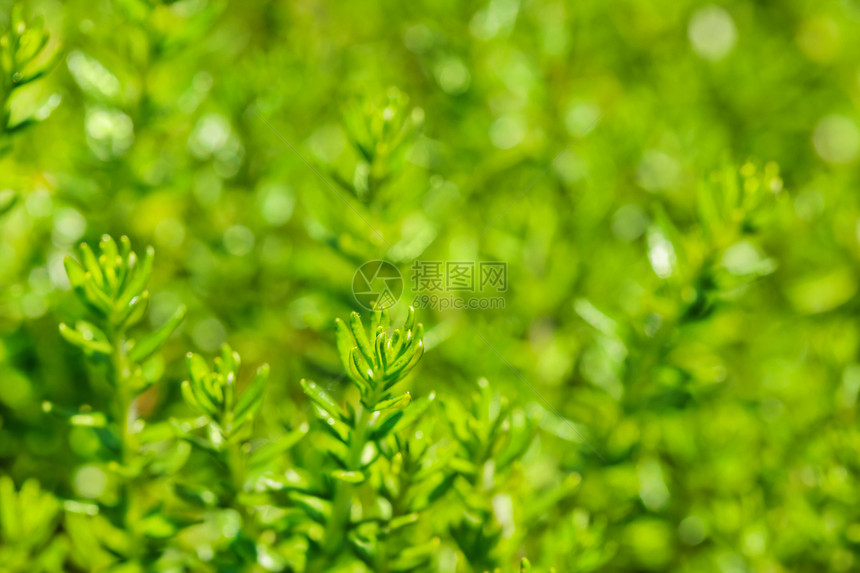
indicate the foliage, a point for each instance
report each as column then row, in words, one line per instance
column 24, row 58
column 372, row 477
column 672, row 382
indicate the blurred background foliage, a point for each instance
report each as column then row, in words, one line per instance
column 671, row 183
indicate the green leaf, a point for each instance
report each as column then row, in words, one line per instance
column 90, row 331
column 463, row 466
column 80, row 507
column 138, row 276
column 195, row 495
column 190, row 397
column 521, row 432
column 544, row 504
column 264, row 455
column 227, row 361
column 199, row 385
column 416, row 409
column 354, row 477
column 335, row 427
column 198, row 370
column 322, row 399
column 91, row 264
column 88, row 345
column 359, row 367
column 364, row 548
column 151, row 343
column 252, row 397
column 134, row 311
column 525, row 566
column 92, row 296
column 9, row 511
column 386, row 426
column 345, row 341
column 379, row 319
column 83, row 417
column 8, row 199
column 380, row 343
column 213, row 386
column 403, row 365
column 80, row 521
column 109, row 248
column 400, row 401
column 441, row 489
column 108, row 261
column 153, row 432
column 403, row 521
column 394, row 346
column 195, row 440
column 76, row 273
column 416, row 555
column 409, row 323
column 361, row 338
column 125, row 250
column 434, row 462
column 318, row 509
column 89, row 420
column 356, row 375
column 156, row 526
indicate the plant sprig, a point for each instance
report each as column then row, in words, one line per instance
column 24, row 58
column 356, row 433
column 112, row 286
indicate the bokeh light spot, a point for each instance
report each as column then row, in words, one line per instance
column 712, row 33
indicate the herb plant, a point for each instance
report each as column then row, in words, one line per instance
column 662, row 376
column 354, row 496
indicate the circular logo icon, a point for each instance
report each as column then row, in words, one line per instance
column 377, row 285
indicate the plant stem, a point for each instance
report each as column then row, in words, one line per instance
column 236, row 468
column 342, row 503
column 124, row 414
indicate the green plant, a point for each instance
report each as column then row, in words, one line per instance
column 492, row 437
column 24, row 58
column 228, row 446
column 112, row 286
column 380, row 131
column 29, row 540
column 356, row 489
column 680, row 335
column 376, row 360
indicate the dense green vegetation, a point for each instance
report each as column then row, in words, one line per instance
column 191, row 381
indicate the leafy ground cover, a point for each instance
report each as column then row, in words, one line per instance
column 653, row 368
